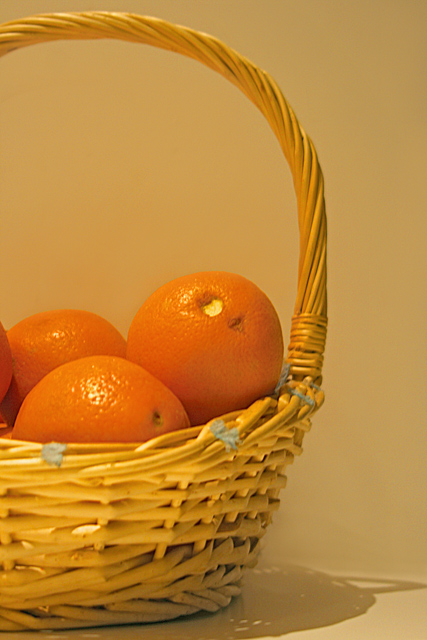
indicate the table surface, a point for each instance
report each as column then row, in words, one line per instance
column 289, row 601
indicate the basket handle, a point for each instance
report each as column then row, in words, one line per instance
column 309, row 321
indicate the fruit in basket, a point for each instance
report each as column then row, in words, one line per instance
column 49, row 339
column 98, row 399
column 214, row 338
column 5, row 363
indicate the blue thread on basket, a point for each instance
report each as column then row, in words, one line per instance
column 230, row 437
column 53, row 453
column 284, row 375
column 300, row 395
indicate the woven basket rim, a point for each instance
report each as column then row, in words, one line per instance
column 262, row 419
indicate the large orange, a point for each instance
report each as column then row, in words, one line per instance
column 214, row 338
column 5, row 363
column 46, row 340
column 98, row 399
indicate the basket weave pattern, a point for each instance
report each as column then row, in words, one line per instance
column 98, row 535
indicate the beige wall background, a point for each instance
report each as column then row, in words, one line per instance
column 123, row 166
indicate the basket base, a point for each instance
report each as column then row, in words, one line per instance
column 198, row 592
column 65, row 617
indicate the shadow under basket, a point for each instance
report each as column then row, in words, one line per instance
column 96, row 535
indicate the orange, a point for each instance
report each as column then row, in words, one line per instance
column 98, row 399
column 214, row 338
column 46, row 340
column 5, row 363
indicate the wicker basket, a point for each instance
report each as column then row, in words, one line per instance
column 95, row 535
